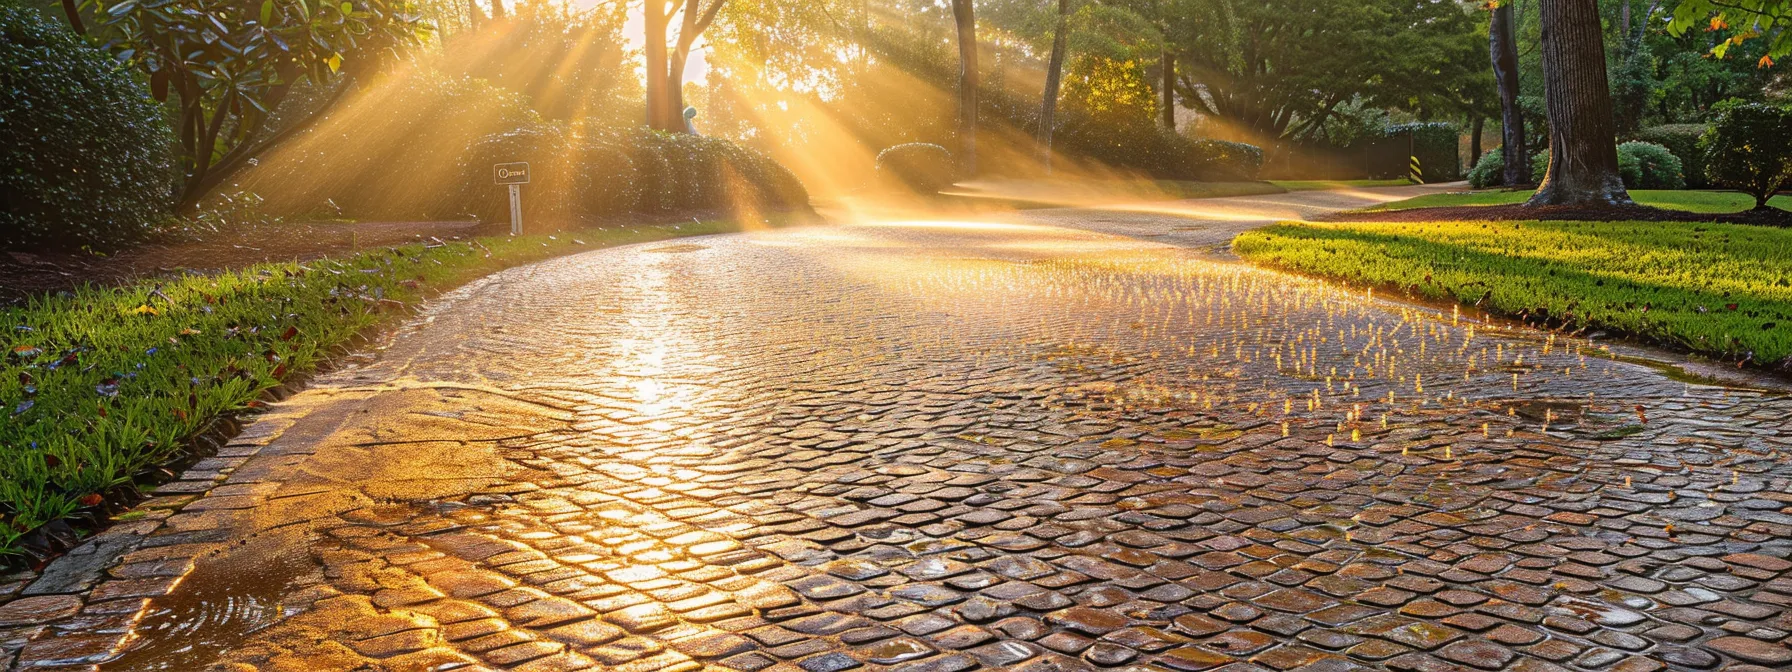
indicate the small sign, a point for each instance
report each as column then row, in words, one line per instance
column 510, row 173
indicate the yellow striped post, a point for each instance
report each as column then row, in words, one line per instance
column 1418, row 174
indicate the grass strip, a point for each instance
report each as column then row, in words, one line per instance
column 1722, row 290
column 1706, row 202
column 102, row 383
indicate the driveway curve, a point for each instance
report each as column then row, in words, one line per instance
column 951, row 445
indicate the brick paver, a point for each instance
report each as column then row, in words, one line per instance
column 953, row 447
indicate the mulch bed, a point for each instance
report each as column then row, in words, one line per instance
column 25, row 274
column 1573, row 213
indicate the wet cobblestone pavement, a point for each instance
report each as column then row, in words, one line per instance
column 937, row 446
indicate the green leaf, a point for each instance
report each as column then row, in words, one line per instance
column 122, row 8
column 347, row 8
column 267, row 11
column 335, row 62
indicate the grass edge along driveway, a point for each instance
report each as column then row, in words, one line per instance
column 102, row 383
column 1720, row 290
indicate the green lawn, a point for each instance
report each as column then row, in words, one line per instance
column 101, row 383
column 1722, row 290
column 1320, row 185
column 1691, row 201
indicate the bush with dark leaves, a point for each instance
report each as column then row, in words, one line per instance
column 84, row 152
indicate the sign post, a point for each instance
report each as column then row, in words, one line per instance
column 514, row 175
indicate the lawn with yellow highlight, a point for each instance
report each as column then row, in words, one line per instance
column 1717, row 289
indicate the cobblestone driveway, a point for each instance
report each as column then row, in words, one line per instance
column 941, row 446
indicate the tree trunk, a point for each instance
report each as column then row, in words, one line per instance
column 1583, row 151
column 966, row 21
column 497, row 10
column 694, row 23
column 655, row 18
column 74, row 17
column 1504, row 51
column 1169, row 90
column 474, row 16
column 1474, row 140
column 1054, row 77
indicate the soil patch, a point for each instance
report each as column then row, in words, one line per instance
column 1572, row 213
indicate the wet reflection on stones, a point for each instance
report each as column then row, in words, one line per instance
column 934, row 446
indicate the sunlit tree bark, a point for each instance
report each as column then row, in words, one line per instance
column 1583, row 156
column 1504, row 51
column 966, row 22
column 1054, row 78
column 497, row 10
column 665, row 68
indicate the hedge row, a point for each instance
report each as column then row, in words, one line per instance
column 422, row 146
column 603, row 172
column 1642, row 165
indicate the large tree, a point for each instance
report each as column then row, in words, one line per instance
column 230, row 65
column 965, row 21
column 1583, row 156
column 1503, row 47
column 665, row 67
column 1054, row 78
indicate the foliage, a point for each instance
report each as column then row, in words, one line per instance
column 1690, row 201
column 99, row 385
column 387, row 150
column 1722, row 290
column 1745, row 19
column 924, row 167
column 85, row 151
column 1749, row 148
column 1683, row 141
column 1279, row 68
column 231, row 60
column 1489, row 171
column 1646, row 165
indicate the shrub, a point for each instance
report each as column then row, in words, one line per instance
column 1683, row 141
column 1749, row 148
column 1540, row 164
column 605, row 172
column 923, row 167
column 1489, row 171
column 1655, row 166
column 85, row 151
column 1222, row 161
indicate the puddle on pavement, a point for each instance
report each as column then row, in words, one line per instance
column 225, row 599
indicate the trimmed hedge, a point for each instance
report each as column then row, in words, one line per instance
column 1646, row 165
column 1683, row 141
column 579, row 172
column 923, row 167
column 1146, row 147
column 423, row 148
column 1434, row 142
column 84, row 152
